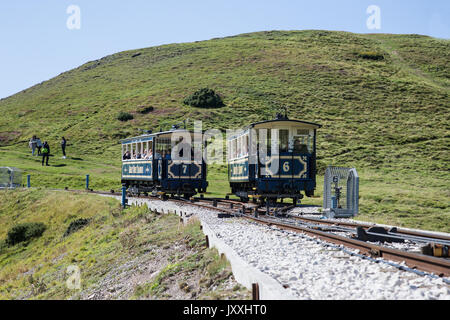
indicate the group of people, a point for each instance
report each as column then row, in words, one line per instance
column 144, row 156
column 35, row 143
column 44, row 149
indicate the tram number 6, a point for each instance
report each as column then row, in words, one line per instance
column 286, row 167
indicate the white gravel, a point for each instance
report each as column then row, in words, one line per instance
column 307, row 267
column 304, row 210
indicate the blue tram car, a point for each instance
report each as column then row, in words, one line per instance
column 273, row 159
column 149, row 166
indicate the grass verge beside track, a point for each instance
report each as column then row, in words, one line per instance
column 121, row 254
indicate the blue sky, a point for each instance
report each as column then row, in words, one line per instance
column 37, row 44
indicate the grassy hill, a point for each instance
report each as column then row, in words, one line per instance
column 383, row 101
column 121, row 254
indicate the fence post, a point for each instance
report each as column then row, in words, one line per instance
column 124, row 196
column 28, row 181
column 87, row 182
column 334, row 202
column 255, row 291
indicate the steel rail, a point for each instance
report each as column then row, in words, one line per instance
column 400, row 231
column 441, row 267
column 430, row 264
column 338, row 227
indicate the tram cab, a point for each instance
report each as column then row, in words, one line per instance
column 165, row 162
column 273, row 159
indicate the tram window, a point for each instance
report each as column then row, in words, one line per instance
column 150, row 149
column 167, row 147
column 284, row 140
column 179, row 144
column 265, row 140
column 197, row 151
column 125, row 151
column 163, row 147
column 234, row 148
column 269, row 142
column 246, row 145
column 144, row 150
column 303, row 143
column 133, row 154
column 138, row 150
column 239, row 147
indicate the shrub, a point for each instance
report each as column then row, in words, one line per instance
column 124, row 116
column 25, row 232
column 145, row 110
column 371, row 55
column 204, row 98
column 75, row 226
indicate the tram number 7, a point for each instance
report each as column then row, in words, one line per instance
column 185, row 167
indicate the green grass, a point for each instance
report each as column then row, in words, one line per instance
column 46, row 258
column 386, row 117
column 70, row 172
column 36, row 269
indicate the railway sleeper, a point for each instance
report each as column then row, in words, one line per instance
column 224, row 215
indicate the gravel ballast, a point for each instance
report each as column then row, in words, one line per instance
column 306, row 266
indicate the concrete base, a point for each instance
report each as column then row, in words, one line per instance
column 246, row 275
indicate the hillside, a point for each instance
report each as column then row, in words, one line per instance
column 383, row 101
column 121, row 254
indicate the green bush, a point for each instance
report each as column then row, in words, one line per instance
column 204, row 98
column 371, row 55
column 25, row 232
column 75, row 226
column 145, row 110
column 124, row 116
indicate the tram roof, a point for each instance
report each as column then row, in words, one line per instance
column 269, row 124
column 150, row 136
column 286, row 121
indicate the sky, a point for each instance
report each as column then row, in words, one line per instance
column 43, row 38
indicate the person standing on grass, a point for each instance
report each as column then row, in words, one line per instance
column 63, row 147
column 45, row 153
column 39, row 145
column 33, row 144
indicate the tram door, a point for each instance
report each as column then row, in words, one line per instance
column 286, row 160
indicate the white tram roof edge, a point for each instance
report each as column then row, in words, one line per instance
column 151, row 136
column 269, row 124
